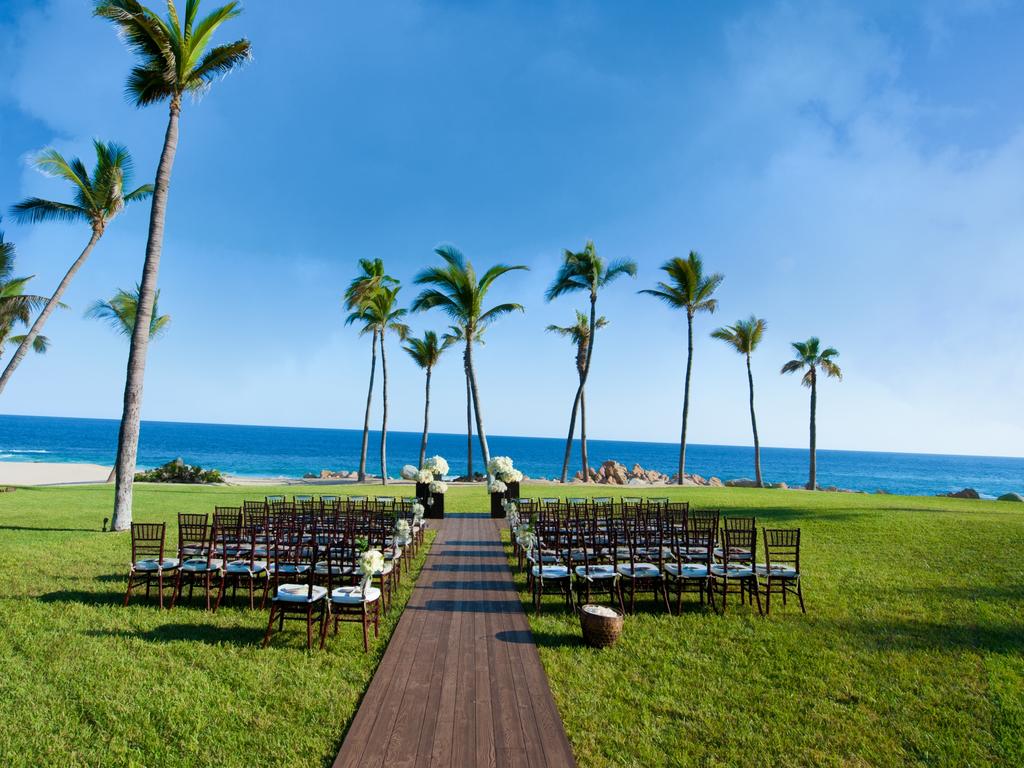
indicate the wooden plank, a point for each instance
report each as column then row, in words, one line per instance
column 461, row 682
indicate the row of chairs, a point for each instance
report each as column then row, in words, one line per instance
column 661, row 548
column 301, row 560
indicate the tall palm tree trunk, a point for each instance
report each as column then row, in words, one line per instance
column 812, row 482
column 52, row 304
column 361, row 477
column 486, row 454
column 426, row 421
column 686, row 395
column 128, row 435
column 582, row 384
column 469, row 423
column 384, row 418
column 753, row 425
column 583, row 436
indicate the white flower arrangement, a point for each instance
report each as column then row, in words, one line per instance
column 497, row 486
column 402, row 533
column 417, row 513
column 525, row 537
column 437, row 465
column 438, row 486
column 499, row 465
column 371, row 562
column 409, row 472
column 424, row 476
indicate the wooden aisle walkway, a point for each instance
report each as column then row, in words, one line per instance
column 461, row 683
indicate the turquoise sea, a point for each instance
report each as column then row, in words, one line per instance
column 293, row 451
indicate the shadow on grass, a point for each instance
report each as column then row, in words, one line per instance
column 193, row 633
column 541, row 639
column 92, row 598
column 932, row 636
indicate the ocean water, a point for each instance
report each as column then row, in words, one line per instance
column 293, row 451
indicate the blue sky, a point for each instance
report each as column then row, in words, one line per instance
column 856, row 171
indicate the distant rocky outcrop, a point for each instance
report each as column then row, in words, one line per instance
column 966, row 493
column 1011, row 497
column 328, row 474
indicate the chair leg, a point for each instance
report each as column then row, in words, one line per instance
column 768, row 597
column 160, row 587
column 270, row 625
column 309, row 627
column 323, row 627
column 664, row 594
column 366, row 642
column 757, row 596
column 176, row 590
column 800, row 595
column 220, row 593
column 128, row 591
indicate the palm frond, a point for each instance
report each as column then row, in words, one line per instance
column 218, row 62
column 35, row 210
column 499, row 310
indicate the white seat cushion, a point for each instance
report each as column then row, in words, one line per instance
column 778, row 571
column 551, row 572
column 242, row 566
column 734, row 571
column 639, row 571
column 151, row 564
column 734, row 554
column 593, row 572
column 199, row 565
column 299, row 593
column 688, row 570
column 287, row 568
column 354, row 595
column 336, row 569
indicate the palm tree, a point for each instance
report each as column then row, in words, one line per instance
column 426, row 353
column 358, row 292
column 16, row 306
column 174, row 58
column 744, row 338
column 121, row 310
column 457, row 333
column 691, row 290
column 810, row 358
column 378, row 314
column 585, row 271
column 579, row 335
column 457, row 292
column 98, row 198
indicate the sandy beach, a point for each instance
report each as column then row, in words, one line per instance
column 50, row 473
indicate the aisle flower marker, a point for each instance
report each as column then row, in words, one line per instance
column 431, row 487
column 504, row 486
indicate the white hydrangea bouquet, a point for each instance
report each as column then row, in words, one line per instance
column 437, row 466
column 417, row 513
column 409, row 472
column 438, row 486
column 501, row 469
column 403, row 533
column 525, row 537
column 371, row 562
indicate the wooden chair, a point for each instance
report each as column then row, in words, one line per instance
column 781, row 567
column 148, row 559
column 298, row 600
column 193, row 534
column 202, row 569
column 349, row 599
column 245, row 568
column 546, row 564
column 643, row 534
column 738, row 553
column 690, row 569
column 736, row 576
column 598, row 561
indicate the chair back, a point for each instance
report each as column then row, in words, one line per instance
column 782, row 548
column 148, row 541
column 739, row 544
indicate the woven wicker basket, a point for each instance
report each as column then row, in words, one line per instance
column 600, row 631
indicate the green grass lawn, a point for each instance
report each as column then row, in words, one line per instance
column 87, row 682
column 910, row 651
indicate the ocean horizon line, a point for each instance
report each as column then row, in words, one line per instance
column 500, row 436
